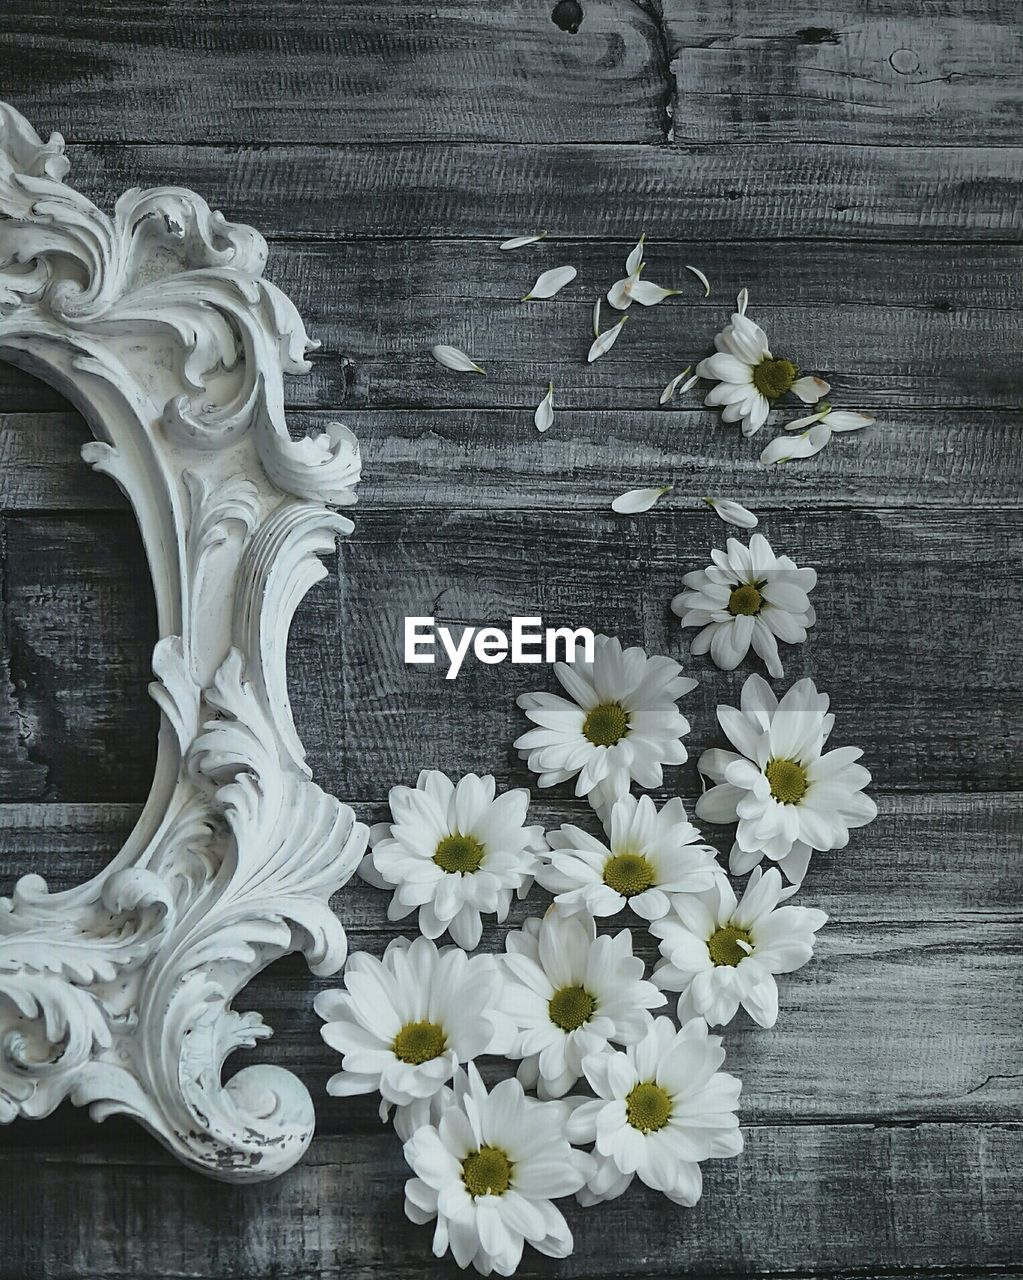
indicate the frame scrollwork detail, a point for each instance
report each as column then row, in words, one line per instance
column 117, row 994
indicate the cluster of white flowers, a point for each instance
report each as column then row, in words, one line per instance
column 607, row 1088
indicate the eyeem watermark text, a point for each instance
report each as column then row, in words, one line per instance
column 527, row 641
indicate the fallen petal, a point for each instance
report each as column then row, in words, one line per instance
column 544, row 417
column 648, row 294
column 702, row 279
column 785, row 448
column 810, row 390
column 843, row 420
column 637, row 500
column 733, row 512
column 673, row 385
column 602, row 345
column 550, row 282
column 635, row 258
column 516, row 242
column 452, row 358
column 809, row 420
column 596, row 319
column 620, row 293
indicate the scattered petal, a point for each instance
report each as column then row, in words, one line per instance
column 733, row 512
column 742, row 301
column 702, row 279
column 544, row 416
column 637, row 500
column 784, row 448
column 620, row 293
column 843, row 420
column 648, row 294
column 810, row 390
column 550, row 282
column 635, row 258
column 602, row 345
column 517, row 242
column 596, row 319
column 673, row 386
column 452, row 358
column 799, row 423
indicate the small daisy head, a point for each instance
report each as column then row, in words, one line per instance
column 648, row 855
column 720, row 953
column 452, row 852
column 662, row 1106
column 747, row 597
column 569, row 993
column 487, row 1170
column 618, row 725
column 404, row 1022
column 785, row 793
column 750, row 378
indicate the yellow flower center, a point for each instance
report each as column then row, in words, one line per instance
column 787, row 779
column 459, row 853
column 629, row 874
column 745, row 599
column 487, row 1172
column 724, row 945
column 418, row 1042
column 606, row 724
column 772, row 378
column 648, row 1107
column 570, row 1007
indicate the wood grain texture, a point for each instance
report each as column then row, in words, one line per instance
column 834, row 71
column 813, row 1200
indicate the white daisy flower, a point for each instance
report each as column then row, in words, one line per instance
column 750, row 378
column 569, row 993
column 405, row 1022
column 748, row 596
column 784, row 793
column 488, row 1171
column 620, row 723
column 649, row 856
column 720, row 953
column 662, row 1107
column 453, row 852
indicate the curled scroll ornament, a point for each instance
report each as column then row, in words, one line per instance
column 117, row 994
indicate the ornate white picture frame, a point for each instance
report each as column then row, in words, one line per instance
column 158, row 326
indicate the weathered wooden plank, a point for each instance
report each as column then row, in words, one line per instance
column 893, row 72
column 355, row 72
column 894, row 586
column 424, row 190
column 816, row 1200
column 437, row 458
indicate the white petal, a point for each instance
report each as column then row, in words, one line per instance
column 733, row 512
column 673, row 385
column 516, row 242
column 742, row 301
column 648, row 294
column 843, row 420
column 596, row 319
column 801, row 423
column 550, row 282
column 636, row 256
column 543, row 419
column 702, row 279
column 782, row 448
column 620, row 293
column 810, row 390
column 637, row 500
column 452, row 358
column 602, row 345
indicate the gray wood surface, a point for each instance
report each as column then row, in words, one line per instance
column 858, row 167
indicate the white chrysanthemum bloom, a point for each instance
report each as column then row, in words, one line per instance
column 748, row 596
column 649, row 856
column 750, row 378
column 784, row 793
column 569, row 993
column 662, row 1107
column 405, row 1022
column 488, row 1171
column 453, row 852
column 720, row 953
column 618, row 725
